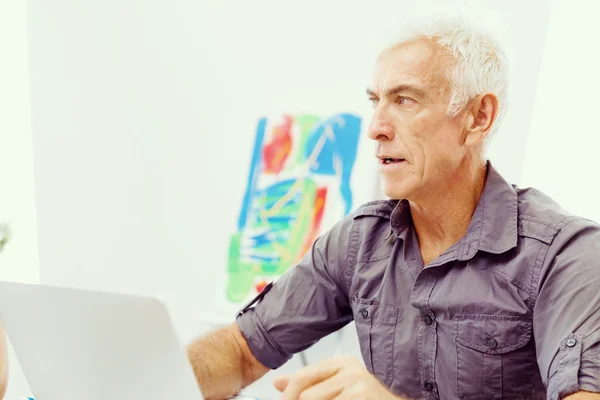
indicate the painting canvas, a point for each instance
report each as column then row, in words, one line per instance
column 299, row 162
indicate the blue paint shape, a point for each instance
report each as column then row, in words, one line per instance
column 253, row 174
column 272, row 194
column 339, row 149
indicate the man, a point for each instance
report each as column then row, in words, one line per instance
column 463, row 287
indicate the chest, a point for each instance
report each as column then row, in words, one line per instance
column 459, row 329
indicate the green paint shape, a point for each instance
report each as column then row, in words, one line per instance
column 301, row 225
column 306, row 123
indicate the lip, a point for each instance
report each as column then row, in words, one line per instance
column 385, row 159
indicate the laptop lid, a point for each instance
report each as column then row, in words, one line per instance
column 77, row 344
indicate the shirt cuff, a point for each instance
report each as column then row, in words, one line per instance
column 262, row 345
column 576, row 368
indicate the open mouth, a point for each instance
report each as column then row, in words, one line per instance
column 391, row 160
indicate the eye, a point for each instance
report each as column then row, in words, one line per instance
column 402, row 100
column 374, row 101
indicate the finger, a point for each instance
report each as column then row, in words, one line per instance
column 281, row 382
column 345, row 395
column 364, row 390
column 327, row 389
column 349, row 394
column 309, row 376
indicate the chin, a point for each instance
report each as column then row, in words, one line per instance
column 396, row 190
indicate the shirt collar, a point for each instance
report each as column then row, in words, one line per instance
column 493, row 227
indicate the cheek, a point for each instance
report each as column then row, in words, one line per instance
column 420, row 142
column 444, row 155
column 441, row 152
column 409, row 133
column 428, row 140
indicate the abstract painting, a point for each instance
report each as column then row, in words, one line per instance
column 298, row 161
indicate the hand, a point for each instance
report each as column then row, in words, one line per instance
column 340, row 378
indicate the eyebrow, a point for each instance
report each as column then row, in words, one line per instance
column 399, row 89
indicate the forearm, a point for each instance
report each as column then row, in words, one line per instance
column 223, row 364
column 583, row 396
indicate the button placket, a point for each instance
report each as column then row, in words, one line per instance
column 428, row 385
column 428, row 320
column 427, row 340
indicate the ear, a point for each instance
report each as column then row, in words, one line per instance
column 482, row 113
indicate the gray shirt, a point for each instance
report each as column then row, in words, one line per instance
column 510, row 311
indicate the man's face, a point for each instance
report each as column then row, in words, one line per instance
column 418, row 147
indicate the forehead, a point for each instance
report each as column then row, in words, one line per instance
column 418, row 62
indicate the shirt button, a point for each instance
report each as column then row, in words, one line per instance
column 428, row 320
column 491, row 343
column 571, row 342
column 428, row 385
column 364, row 312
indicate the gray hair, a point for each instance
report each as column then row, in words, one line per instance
column 480, row 64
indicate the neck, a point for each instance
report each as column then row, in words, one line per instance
column 442, row 218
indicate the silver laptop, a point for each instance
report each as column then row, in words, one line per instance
column 85, row 345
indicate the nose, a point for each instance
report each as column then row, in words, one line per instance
column 380, row 128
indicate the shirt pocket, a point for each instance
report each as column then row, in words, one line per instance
column 376, row 329
column 495, row 356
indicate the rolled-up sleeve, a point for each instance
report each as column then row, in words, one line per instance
column 307, row 303
column 567, row 312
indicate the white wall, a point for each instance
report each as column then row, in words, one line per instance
column 19, row 260
column 564, row 140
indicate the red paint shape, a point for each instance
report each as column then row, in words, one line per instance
column 276, row 151
column 260, row 286
column 313, row 231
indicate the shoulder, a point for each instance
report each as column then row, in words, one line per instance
column 543, row 218
column 378, row 212
column 367, row 227
column 372, row 221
